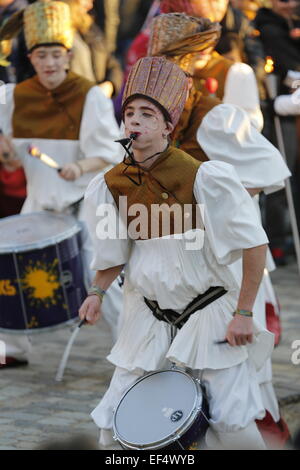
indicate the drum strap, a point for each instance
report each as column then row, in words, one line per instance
column 174, row 318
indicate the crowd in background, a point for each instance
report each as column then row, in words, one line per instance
column 66, row 80
column 110, row 37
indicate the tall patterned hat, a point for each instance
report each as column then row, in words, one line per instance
column 47, row 22
column 175, row 33
column 161, row 81
column 180, row 37
column 44, row 22
column 212, row 9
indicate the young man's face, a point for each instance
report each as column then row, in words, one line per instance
column 194, row 60
column 144, row 118
column 50, row 64
column 202, row 58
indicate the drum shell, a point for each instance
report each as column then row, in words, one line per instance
column 26, row 279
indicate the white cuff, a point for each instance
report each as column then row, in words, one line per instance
column 288, row 105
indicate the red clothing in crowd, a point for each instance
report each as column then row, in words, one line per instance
column 12, row 191
column 137, row 50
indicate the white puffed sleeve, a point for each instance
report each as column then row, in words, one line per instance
column 230, row 218
column 288, row 105
column 227, row 135
column 241, row 89
column 111, row 244
column 6, row 108
column 99, row 128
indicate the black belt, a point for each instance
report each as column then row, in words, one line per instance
column 178, row 320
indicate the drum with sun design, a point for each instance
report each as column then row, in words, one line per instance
column 41, row 272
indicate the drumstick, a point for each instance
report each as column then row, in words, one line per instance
column 35, row 152
column 65, row 357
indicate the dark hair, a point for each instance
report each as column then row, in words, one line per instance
column 47, row 44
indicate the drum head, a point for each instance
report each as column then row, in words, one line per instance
column 30, row 231
column 157, row 409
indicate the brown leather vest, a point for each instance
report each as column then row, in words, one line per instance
column 50, row 114
column 168, row 181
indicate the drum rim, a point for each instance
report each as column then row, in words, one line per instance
column 175, row 436
column 50, row 241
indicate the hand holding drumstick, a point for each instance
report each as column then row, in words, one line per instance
column 8, row 154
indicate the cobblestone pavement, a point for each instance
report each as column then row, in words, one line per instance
column 286, row 373
column 34, row 409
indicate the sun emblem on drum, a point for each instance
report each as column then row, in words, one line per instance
column 40, row 282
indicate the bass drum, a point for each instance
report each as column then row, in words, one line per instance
column 163, row 410
column 41, row 272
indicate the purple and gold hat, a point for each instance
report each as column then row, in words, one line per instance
column 162, row 82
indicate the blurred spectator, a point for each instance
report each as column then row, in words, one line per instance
column 139, row 45
column 90, row 57
column 137, row 50
column 107, row 16
column 276, row 26
column 132, row 17
column 20, row 67
column 12, row 191
column 240, row 41
column 13, row 183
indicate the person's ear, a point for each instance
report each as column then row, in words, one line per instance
column 168, row 129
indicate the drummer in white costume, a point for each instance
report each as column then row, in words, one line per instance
column 165, row 269
column 225, row 133
column 66, row 117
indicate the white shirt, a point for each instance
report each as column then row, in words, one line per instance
column 288, row 105
column 98, row 130
column 241, row 90
column 226, row 134
column 163, row 269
